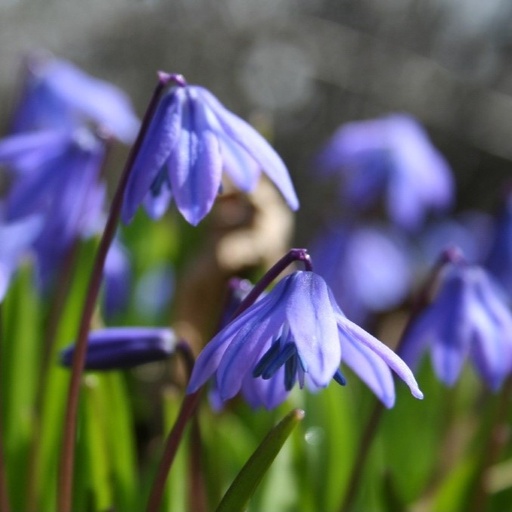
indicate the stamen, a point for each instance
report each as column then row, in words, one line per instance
column 290, row 373
column 289, row 350
column 340, row 378
column 266, row 359
column 161, row 179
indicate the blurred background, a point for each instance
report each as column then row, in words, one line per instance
column 300, row 68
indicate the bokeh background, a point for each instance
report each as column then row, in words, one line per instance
column 300, row 68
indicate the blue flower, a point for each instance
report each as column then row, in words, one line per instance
column 56, row 175
column 499, row 259
column 296, row 333
column 390, row 160
column 467, row 318
column 367, row 268
column 58, row 95
column 116, row 278
column 190, row 140
column 15, row 240
column 119, row 348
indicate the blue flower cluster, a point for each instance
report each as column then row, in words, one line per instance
column 297, row 333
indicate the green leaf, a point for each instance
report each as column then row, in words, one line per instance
column 247, row 480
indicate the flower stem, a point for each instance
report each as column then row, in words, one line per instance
column 188, row 408
column 4, row 494
column 364, row 449
column 420, row 302
column 290, row 257
column 58, row 301
column 65, row 481
column 191, row 401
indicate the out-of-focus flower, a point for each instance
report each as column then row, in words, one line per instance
column 499, row 259
column 391, row 160
column 470, row 231
column 367, row 268
column 55, row 175
column 297, row 332
column 58, row 95
column 155, row 290
column 192, row 137
column 467, row 318
column 119, row 348
column 116, row 279
column 15, row 240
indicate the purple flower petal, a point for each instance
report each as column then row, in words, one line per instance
column 381, row 350
column 160, row 140
column 315, row 333
column 195, row 164
column 371, row 369
column 246, row 136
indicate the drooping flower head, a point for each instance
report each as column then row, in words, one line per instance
column 120, row 348
column 296, row 333
column 190, row 140
column 55, row 175
column 58, row 95
column 390, row 160
column 468, row 317
column 366, row 267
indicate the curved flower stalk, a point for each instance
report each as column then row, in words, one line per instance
column 15, row 239
column 192, row 137
column 467, row 318
column 297, row 333
column 58, row 95
column 56, row 175
column 391, row 160
column 120, row 348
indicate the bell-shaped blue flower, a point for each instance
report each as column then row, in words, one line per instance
column 467, row 318
column 190, row 140
column 389, row 160
column 120, row 348
column 58, row 95
column 56, row 175
column 296, row 333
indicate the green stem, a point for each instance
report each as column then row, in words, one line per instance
column 58, row 301
column 4, row 493
column 65, row 480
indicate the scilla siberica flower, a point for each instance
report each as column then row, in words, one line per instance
column 192, row 137
column 390, row 160
column 296, row 333
column 56, row 175
column 120, row 348
column 467, row 318
column 58, row 95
